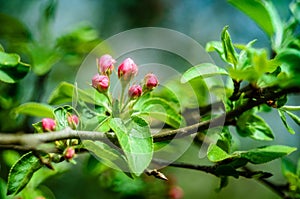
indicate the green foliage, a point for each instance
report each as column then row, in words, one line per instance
column 228, row 49
column 249, row 125
column 21, row 172
column 255, row 156
column 107, row 154
column 35, row 109
column 11, row 68
column 254, row 76
column 135, row 139
column 203, row 70
column 265, row 15
column 159, row 109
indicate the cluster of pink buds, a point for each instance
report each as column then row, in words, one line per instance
column 127, row 70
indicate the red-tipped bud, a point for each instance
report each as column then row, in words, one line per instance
column 73, row 121
column 127, row 70
column 69, row 153
column 135, row 91
column 100, row 82
column 150, row 81
column 175, row 192
column 106, row 64
column 48, row 124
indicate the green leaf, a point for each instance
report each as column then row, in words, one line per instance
column 216, row 46
column 43, row 58
column 108, row 155
column 229, row 52
column 204, row 70
column 66, row 92
column 287, row 166
column 21, row 173
column 136, row 141
column 12, row 74
column 216, row 154
column 35, row 109
column 249, row 125
column 268, row 153
column 2, row 189
column 283, row 119
column 160, row 109
column 256, row 156
column 294, row 117
column 61, row 114
column 10, row 157
column 63, row 93
column 225, row 140
column 290, row 108
column 291, row 57
column 295, row 9
column 264, row 14
column 9, row 59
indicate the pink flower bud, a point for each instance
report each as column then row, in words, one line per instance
column 73, row 121
column 69, row 153
column 100, row 82
column 48, row 124
column 175, row 192
column 106, row 64
column 127, row 70
column 150, row 81
column 135, row 91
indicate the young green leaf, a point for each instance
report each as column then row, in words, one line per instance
column 61, row 115
column 287, row 166
column 161, row 110
column 43, row 57
column 249, row 125
column 225, row 140
column 216, row 154
column 66, row 92
column 216, row 46
column 294, row 117
column 283, row 119
column 12, row 74
column 291, row 57
column 136, row 141
column 21, row 173
column 35, row 109
column 108, row 155
column 295, row 9
column 204, row 70
column 256, row 156
column 2, row 189
column 290, row 108
column 265, row 15
column 8, row 59
column 266, row 154
column 229, row 51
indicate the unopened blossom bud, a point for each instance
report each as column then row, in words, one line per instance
column 106, row 64
column 69, row 153
column 150, row 81
column 135, row 91
column 73, row 121
column 127, row 70
column 100, row 82
column 48, row 124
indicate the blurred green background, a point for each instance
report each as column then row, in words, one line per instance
column 23, row 22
